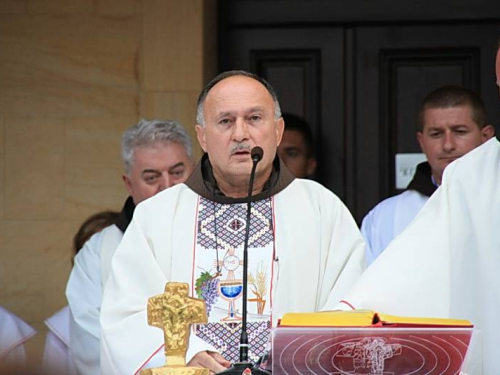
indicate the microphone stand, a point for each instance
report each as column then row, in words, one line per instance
column 244, row 366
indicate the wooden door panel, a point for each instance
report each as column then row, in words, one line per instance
column 305, row 66
column 358, row 73
column 396, row 68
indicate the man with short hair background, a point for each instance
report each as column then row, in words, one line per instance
column 452, row 122
column 157, row 155
column 445, row 264
column 304, row 247
column 297, row 147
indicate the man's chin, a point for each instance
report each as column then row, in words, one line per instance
column 239, row 169
column 449, row 161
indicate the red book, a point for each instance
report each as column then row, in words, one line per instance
column 364, row 342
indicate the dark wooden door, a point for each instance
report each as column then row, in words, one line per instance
column 396, row 66
column 358, row 75
column 305, row 66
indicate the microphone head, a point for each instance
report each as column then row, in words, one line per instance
column 257, row 153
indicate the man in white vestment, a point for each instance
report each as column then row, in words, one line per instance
column 304, row 249
column 14, row 332
column 157, row 155
column 452, row 122
column 446, row 263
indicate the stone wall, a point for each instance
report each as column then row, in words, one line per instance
column 74, row 74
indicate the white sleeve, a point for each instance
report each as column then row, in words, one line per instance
column 128, row 343
column 84, row 294
column 368, row 233
column 56, row 357
column 346, row 259
column 377, row 228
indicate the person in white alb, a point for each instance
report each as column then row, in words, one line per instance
column 305, row 249
column 57, row 358
column 157, row 155
column 452, row 122
column 14, row 332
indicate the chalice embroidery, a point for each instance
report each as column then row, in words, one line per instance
column 231, row 288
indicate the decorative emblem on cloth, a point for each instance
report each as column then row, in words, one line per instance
column 230, row 220
column 218, row 274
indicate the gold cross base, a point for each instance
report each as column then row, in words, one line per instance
column 175, row 370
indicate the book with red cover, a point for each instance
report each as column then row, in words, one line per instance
column 364, row 342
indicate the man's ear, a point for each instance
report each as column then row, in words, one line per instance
column 420, row 135
column 280, row 128
column 487, row 132
column 128, row 184
column 200, row 134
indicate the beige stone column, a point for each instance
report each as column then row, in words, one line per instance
column 73, row 76
column 178, row 57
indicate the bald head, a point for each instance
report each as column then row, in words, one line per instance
column 236, row 112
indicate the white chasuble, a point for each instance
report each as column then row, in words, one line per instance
column 218, row 274
column 185, row 233
column 446, row 263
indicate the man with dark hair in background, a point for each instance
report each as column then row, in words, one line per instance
column 452, row 122
column 297, row 147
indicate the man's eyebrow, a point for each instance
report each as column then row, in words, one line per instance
column 179, row 164
column 224, row 114
column 150, row 171
column 434, row 127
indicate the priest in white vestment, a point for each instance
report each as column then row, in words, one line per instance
column 446, row 263
column 305, row 249
column 452, row 122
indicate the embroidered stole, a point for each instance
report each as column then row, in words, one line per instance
column 218, row 274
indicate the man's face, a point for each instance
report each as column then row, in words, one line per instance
column 293, row 151
column 239, row 114
column 497, row 69
column 448, row 134
column 157, row 167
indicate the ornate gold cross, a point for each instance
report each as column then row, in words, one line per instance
column 174, row 312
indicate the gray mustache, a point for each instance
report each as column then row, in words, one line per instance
column 240, row 147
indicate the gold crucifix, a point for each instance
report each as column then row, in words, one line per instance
column 174, row 312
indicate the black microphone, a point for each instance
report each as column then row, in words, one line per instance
column 244, row 365
column 257, row 153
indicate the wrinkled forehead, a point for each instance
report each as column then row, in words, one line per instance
column 238, row 92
